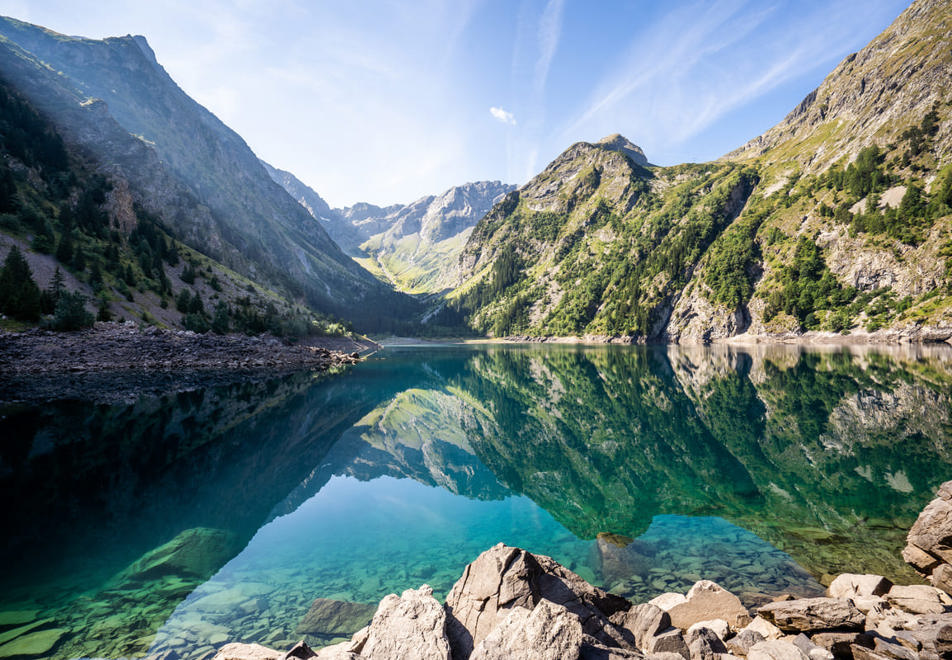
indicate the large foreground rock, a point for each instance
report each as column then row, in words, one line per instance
column 707, row 600
column 504, row 577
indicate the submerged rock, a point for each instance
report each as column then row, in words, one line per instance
column 335, row 618
column 34, row 643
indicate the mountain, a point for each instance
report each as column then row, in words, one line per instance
column 113, row 101
column 413, row 246
column 838, row 220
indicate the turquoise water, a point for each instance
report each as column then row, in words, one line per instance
column 181, row 521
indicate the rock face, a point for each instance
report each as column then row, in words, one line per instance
column 408, row 626
column 929, row 543
column 504, row 577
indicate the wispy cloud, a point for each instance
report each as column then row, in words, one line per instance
column 503, row 116
column 550, row 30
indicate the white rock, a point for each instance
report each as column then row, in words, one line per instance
column 718, row 626
column 413, row 625
column 850, row 585
column 776, row 649
column 707, row 600
column 765, row 628
column 667, row 600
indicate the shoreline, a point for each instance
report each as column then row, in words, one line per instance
column 124, row 347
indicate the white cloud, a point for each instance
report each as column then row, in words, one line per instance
column 503, row 116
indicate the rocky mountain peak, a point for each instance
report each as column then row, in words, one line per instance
column 618, row 142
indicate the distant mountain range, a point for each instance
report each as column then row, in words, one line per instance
column 415, row 247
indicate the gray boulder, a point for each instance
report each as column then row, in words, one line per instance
column 741, row 643
column 547, row 632
column 775, row 649
column 850, row 585
column 504, row 577
column 813, row 614
column 644, row 621
column 412, row 625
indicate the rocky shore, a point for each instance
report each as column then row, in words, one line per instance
column 119, row 361
column 510, row 603
column 124, row 346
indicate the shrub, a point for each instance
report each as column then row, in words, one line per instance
column 70, row 313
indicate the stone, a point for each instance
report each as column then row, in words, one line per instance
column 741, row 643
column 934, row 633
column 7, row 635
column 300, row 651
column 839, row 643
column 718, row 626
column 941, row 578
column 547, row 632
column 775, row 649
column 411, row 625
column 337, row 652
column 667, row 600
column 335, row 618
column 884, row 618
column 504, row 577
column 866, row 603
column 813, row 614
column 644, row 622
column 707, row 600
column 665, row 656
column 237, row 651
column 919, row 559
column 918, row 599
column 932, row 531
column 592, row 649
column 34, row 643
column 812, row 651
column 764, row 628
column 850, row 585
column 199, row 551
column 885, row 649
column 704, row 644
column 668, row 641
column 17, row 617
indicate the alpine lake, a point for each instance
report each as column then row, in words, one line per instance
column 274, row 509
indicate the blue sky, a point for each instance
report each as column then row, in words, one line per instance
column 388, row 101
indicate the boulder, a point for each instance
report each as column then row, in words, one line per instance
column 668, row 641
column 813, row 614
column 667, row 600
column 885, row 618
column 718, row 626
column 934, row 633
column 504, row 577
column 884, row 649
column 547, row 632
column 644, row 622
column 764, row 628
column 704, row 644
column 941, row 578
column 741, row 643
column 918, row 599
column 839, row 643
column 300, row 651
column 850, row 585
column 707, row 600
column 237, row 651
column 920, row 560
column 335, row 618
column 812, row 650
column 932, row 531
column 775, row 649
column 412, row 625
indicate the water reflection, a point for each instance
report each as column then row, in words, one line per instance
column 628, row 464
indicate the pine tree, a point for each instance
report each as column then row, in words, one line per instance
column 19, row 294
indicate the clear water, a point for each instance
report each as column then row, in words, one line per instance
column 179, row 522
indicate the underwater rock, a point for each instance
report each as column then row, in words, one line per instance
column 199, row 551
column 335, row 618
column 17, row 617
column 34, row 643
column 412, row 625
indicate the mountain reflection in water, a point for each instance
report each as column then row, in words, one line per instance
column 182, row 520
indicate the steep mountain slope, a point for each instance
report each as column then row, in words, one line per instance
column 113, row 99
column 82, row 232
column 839, row 219
column 414, row 246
